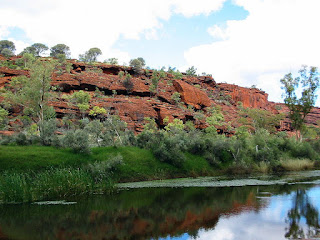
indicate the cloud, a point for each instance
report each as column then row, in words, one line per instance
column 245, row 226
column 98, row 23
column 277, row 37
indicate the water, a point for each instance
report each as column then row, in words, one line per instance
column 282, row 209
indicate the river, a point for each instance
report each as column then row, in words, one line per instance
column 256, row 207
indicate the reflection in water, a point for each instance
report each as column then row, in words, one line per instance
column 302, row 209
column 151, row 214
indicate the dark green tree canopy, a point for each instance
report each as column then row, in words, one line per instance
column 300, row 107
column 35, row 49
column 60, row 49
column 137, row 64
column 39, row 48
column 7, row 48
column 90, row 55
column 28, row 50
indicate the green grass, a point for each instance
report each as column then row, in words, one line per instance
column 139, row 164
column 38, row 157
column 32, row 173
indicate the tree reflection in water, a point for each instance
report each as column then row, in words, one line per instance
column 302, row 209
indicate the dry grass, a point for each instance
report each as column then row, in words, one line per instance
column 262, row 167
column 297, row 164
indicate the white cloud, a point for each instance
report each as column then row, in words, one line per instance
column 277, row 37
column 190, row 8
column 98, row 23
column 246, row 226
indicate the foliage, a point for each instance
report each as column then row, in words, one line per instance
column 36, row 49
column 175, row 126
column 261, row 119
column 7, row 48
column 114, row 131
column 97, row 111
column 60, row 49
column 191, row 71
column 26, row 61
column 95, row 129
column 155, row 79
column 33, row 93
column 111, row 61
column 3, row 116
column 137, row 64
column 81, row 99
column 151, row 125
column 176, row 97
column 77, row 140
column 127, row 82
column 47, row 133
column 299, row 108
column 90, row 55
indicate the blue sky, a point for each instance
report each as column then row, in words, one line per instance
column 245, row 42
column 177, row 35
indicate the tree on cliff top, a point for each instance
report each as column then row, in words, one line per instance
column 299, row 108
column 7, row 48
column 137, row 64
column 35, row 49
column 60, row 49
column 90, row 55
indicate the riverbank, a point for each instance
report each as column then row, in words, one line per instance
column 33, row 173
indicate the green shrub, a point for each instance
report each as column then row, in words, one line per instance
column 78, row 141
column 21, row 139
column 47, row 132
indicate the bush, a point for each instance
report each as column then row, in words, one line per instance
column 47, row 132
column 103, row 170
column 21, row 139
column 78, row 141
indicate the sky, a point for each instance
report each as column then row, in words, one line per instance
column 243, row 42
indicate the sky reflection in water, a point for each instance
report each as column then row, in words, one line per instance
column 271, row 222
column 220, row 213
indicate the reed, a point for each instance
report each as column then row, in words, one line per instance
column 297, row 164
column 53, row 184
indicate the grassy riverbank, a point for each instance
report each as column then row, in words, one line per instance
column 32, row 173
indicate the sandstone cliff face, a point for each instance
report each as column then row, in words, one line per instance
column 250, row 97
column 198, row 94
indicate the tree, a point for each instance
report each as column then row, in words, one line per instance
column 33, row 93
column 60, row 49
column 300, row 108
column 3, row 116
column 90, row 55
column 112, row 61
column 191, row 71
column 137, row 64
column 7, row 48
column 28, row 50
column 127, row 83
column 27, row 60
column 155, row 79
column 81, row 99
column 35, row 49
column 39, row 48
column 259, row 118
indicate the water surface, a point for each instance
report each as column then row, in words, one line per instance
column 282, row 209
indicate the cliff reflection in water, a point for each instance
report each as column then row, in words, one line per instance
column 137, row 214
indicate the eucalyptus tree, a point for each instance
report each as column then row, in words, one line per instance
column 299, row 108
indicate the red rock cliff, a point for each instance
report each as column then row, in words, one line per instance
column 197, row 95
